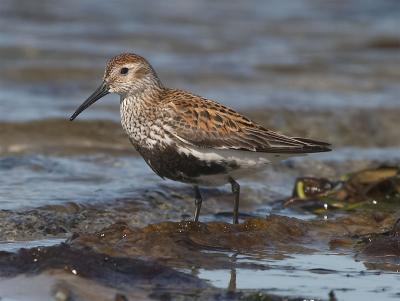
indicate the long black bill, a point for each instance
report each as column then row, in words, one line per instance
column 99, row 93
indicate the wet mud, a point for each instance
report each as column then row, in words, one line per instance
column 131, row 239
column 122, row 274
column 112, row 249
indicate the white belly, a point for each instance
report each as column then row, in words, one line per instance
column 247, row 162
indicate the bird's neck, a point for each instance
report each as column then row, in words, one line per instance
column 142, row 100
column 139, row 109
column 145, row 93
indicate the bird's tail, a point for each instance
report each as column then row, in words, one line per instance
column 314, row 146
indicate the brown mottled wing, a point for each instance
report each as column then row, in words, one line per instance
column 204, row 123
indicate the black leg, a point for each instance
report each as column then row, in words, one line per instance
column 236, row 192
column 197, row 201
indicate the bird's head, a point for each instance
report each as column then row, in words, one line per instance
column 125, row 74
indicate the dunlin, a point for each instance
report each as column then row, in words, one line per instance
column 188, row 138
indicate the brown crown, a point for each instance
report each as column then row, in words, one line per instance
column 122, row 59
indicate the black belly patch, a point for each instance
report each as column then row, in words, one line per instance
column 167, row 162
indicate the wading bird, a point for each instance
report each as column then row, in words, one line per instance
column 188, row 138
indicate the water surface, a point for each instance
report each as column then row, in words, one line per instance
column 299, row 54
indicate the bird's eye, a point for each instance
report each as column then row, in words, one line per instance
column 124, row 70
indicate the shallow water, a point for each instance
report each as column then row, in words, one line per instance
column 14, row 246
column 37, row 180
column 312, row 276
column 327, row 70
column 40, row 180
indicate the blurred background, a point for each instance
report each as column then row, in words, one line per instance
column 328, row 70
column 306, row 54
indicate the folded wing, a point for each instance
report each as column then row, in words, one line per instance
column 204, row 123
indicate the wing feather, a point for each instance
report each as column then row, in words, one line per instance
column 204, row 123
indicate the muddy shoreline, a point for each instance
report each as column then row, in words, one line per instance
column 121, row 248
column 126, row 234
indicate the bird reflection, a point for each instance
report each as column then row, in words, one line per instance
column 232, row 281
